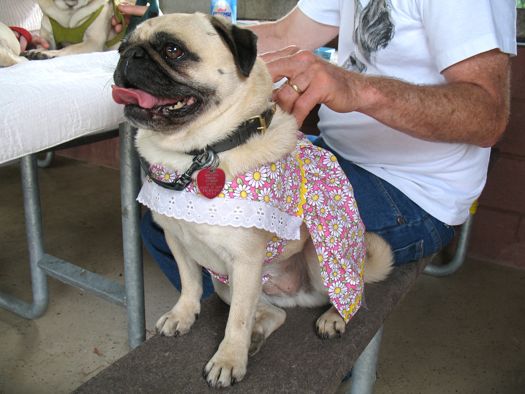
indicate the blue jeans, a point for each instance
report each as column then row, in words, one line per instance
column 153, row 237
column 411, row 232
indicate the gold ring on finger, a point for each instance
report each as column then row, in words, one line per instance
column 295, row 87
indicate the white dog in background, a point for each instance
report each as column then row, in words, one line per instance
column 76, row 26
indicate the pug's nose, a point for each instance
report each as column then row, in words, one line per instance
column 135, row 52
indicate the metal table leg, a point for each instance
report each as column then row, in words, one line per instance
column 131, row 296
column 33, row 219
column 364, row 370
column 134, row 276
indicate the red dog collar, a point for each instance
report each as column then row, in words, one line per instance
column 23, row 32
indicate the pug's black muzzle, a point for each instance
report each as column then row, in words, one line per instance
column 137, row 69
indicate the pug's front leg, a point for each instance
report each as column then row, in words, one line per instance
column 181, row 317
column 228, row 364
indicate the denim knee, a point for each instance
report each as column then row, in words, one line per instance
column 411, row 231
column 155, row 243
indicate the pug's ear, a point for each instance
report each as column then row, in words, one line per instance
column 242, row 44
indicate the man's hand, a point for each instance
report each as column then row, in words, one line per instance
column 36, row 42
column 471, row 106
column 312, row 80
column 128, row 10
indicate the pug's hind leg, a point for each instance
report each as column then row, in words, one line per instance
column 181, row 317
column 330, row 324
column 268, row 318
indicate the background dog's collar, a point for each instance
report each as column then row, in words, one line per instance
column 257, row 124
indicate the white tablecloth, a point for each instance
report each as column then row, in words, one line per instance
column 48, row 102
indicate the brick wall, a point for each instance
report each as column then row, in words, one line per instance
column 498, row 232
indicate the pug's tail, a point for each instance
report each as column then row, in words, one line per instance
column 379, row 258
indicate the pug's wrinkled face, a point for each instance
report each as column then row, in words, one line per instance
column 176, row 68
column 71, row 4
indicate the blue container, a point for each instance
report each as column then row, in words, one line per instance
column 224, row 8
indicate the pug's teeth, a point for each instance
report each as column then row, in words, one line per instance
column 179, row 105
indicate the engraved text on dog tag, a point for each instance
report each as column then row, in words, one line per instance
column 211, row 181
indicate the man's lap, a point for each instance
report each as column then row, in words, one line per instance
column 411, row 232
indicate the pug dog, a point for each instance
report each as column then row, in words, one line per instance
column 75, row 26
column 220, row 154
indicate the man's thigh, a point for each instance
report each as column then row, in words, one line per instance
column 411, row 232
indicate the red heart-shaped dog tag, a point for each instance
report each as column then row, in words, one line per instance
column 211, row 182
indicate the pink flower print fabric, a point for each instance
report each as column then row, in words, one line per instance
column 310, row 184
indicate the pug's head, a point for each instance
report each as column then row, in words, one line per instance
column 178, row 68
column 71, row 4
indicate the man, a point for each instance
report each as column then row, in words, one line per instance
column 420, row 93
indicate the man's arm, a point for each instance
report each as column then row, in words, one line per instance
column 293, row 29
column 472, row 107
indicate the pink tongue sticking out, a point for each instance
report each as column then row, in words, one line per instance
column 138, row 97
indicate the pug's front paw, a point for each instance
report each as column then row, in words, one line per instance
column 177, row 321
column 35, row 54
column 226, row 367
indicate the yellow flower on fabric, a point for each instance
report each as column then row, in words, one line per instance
column 168, row 176
column 265, row 195
column 330, row 161
column 257, row 178
column 337, row 288
column 242, row 191
column 317, row 199
column 335, row 227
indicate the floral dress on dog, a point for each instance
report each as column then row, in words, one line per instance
column 309, row 186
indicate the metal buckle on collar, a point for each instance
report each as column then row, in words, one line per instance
column 263, row 126
column 262, row 121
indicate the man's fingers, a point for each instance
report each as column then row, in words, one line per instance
column 303, row 106
column 129, row 11
column 289, row 63
column 39, row 42
column 285, row 97
column 134, row 10
column 23, row 43
column 288, row 51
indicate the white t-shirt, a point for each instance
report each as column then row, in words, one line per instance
column 413, row 40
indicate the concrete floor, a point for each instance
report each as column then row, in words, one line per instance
column 460, row 334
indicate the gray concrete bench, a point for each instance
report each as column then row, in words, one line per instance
column 293, row 359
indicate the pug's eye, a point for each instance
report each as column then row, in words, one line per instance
column 172, row 51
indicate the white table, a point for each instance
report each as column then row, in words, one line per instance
column 44, row 104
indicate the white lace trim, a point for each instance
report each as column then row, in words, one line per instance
column 219, row 211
